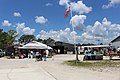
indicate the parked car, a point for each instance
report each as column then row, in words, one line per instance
column 2, row 53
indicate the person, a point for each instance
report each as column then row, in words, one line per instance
column 58, row 51
column 86, row 51
column 118, row 52
column 44, row 55
column 114, row 50
column 12, row 55
column 47, row 53
column 31, row 54
column 92, row 50
column 22, row 56
column 38, row 56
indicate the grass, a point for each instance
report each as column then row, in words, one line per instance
column 97, row 64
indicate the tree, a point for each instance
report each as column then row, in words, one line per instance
column 6, row 39
column 50, row 41
column 13, row 33
column 78, row 44
column 26, row 39
column 101, row 43
column 2, row 38
column 44, row 41
column 39, row 40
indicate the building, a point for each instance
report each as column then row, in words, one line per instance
column 62, row 47
column 116, row 42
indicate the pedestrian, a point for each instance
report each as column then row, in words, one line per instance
column 47, row 53
column 44, row 55
column 31, row 54
column 37, row 56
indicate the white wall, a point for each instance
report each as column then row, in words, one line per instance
column 116, row 44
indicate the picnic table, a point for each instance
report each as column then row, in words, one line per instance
column 90, row 56
column 113, row 54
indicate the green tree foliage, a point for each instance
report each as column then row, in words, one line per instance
column 101, row 43
column 13, row 33
column 24, row 39
column 48, row 41
column 39, row 40
column 6, row 39
column 78, row 44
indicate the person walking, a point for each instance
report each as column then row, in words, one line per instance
column 44, row 55
column 31, row 54
column 37, row 56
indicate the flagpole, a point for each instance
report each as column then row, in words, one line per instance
column 74, row 41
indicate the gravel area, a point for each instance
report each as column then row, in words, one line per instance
column 53, row 69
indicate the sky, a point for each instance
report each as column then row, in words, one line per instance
column 89, row 21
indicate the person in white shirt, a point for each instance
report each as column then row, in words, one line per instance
column 31, row 54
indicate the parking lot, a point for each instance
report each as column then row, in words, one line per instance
column 52, row 69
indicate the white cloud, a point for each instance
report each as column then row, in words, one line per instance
column 111, row 3
column 87, row 38
column 105, row 22
column 80, row 7
column 40, row 19
column 28, row 31
column 45, row 35
column 100, row 32
column 49, row 4
column 64, row 2
column 17, row 14
column 62, row 35
column 115, row 27
column 6, row 23
column 22, row 29
column 77, row 21
column 104, row 31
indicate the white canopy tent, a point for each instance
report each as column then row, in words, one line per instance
column 49, row 47
column 34, row 45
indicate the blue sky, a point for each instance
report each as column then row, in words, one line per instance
column 93, row 20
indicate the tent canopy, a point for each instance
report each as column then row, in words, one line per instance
column 49, row 47
column 34, row 45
